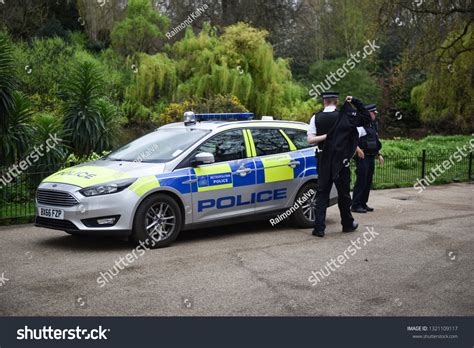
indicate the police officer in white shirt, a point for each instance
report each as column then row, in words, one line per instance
column 320, row 125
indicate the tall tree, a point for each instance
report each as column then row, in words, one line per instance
column 99, row 16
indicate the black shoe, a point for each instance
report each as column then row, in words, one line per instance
column 368, row 208
column 354, row 227
column 318, row 233
column 358, row 210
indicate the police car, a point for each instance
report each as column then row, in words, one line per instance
column 211, row 169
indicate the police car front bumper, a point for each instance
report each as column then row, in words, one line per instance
column 63, row 207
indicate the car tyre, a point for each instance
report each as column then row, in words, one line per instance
column 303, row 217
column 157, row 222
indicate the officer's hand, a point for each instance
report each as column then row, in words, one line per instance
column 349, row 99
column 360, row 153
column 381, row 160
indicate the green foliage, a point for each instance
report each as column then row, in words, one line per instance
column 45, row 63
column 15, row 133
column 357, row 82
column 301, row 111
column 44, row 126
column 343, row 26
column 432, row 144
column 444, row 100
column 42, row 66
column 217, row 104
column 86, row 115
column 137, row 114
column 115, row 74
column 112, row 123
column 142, row 30
column 73, row 160
column 240, row 62
column 405, row 164
column 7, row 79
column 155, row 78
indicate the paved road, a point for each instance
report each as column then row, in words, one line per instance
column 420, row 261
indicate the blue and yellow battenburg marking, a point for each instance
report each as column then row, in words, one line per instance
column 259, row 170
column 264, row 170
column 236, row 201
column 214, row 177
column 310, row 162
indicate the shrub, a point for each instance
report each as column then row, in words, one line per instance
column 156, row 78
column 8, row 81
column 15, row 133
column 91, row 123
column 405, row 164
column 218, row 104
column 142, row 30
column 240, row 62
column 357, row 82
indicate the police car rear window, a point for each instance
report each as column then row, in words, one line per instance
column 269, row 142
column 160, row 146
column 298, row 137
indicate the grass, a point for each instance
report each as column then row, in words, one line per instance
column 404, row 172
column 403, row 160
column 434, row 144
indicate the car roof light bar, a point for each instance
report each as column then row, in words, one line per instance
column 225, row 116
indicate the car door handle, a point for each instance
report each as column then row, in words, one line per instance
column 294, row 164
column 243, row 171
column 190, row 181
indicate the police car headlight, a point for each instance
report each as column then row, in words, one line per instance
column 106, row 189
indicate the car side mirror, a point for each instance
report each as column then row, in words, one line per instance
column 203, row 158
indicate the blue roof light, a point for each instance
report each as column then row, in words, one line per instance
column 225, row 117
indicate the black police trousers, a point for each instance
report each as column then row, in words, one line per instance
column 364, row 176
column 343, row 186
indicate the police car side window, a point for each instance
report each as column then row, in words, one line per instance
column 269, row 142
column 228, row 146
column 298, row 137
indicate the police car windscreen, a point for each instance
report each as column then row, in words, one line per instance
column 160, row 146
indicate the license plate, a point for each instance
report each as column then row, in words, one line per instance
column 51, row 213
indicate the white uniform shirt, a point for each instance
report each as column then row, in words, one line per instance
column 362, row 132
column 312, row 123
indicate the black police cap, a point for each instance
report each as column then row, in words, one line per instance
column 330, row 95
column 371, row 107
